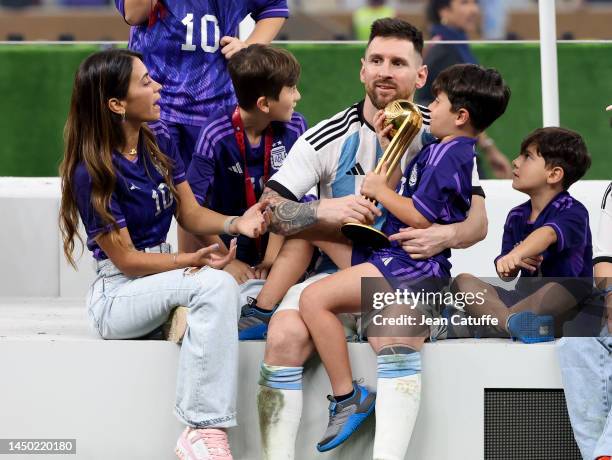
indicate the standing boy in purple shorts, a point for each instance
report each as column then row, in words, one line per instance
column 547, row 236
column 436, row 188
column 245, row 144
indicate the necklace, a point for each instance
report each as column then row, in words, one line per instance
column 132, row 152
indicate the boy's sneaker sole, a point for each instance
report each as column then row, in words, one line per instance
column 258, row 332
column 253, row 323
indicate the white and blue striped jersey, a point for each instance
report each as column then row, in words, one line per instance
column 337, row 153
column 602, row 247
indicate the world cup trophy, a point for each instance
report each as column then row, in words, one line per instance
column 407, row 120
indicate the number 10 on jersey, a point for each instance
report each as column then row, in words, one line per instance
column 209, row 46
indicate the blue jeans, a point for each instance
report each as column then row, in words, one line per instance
column 125, row 308
column 586, row 369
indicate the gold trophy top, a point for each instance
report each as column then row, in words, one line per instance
column 407, row 120
column 397, row 111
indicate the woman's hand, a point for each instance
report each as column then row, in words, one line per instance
column 254, row 222
column 209, row 256
column 219, row 261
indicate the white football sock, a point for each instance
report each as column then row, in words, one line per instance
column 279, row 403
column 398, row 394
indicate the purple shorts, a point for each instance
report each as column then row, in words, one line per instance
column 185, row 138
column 397, row 267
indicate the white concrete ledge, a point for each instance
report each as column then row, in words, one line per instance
column 60, row 380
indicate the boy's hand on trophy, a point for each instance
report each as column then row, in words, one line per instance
column 374, row 184
column 383, row 133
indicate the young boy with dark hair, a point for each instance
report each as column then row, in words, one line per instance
column 244, row 145
column 547, row 236
column 436, row 188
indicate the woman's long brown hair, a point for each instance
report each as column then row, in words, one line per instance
column 91, row 133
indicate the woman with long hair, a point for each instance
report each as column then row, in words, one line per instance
column 123, row 177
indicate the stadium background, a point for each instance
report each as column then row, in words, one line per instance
column 36, row 82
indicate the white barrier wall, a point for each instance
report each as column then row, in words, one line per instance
column 30, row 239
column 116, row 397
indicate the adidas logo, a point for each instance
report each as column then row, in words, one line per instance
column 356, row 170
column 236, row 168
column 387, row 260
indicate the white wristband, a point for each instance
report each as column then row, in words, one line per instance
column 227, row 225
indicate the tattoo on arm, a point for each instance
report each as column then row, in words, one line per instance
column 272, row 196
column 289, row 217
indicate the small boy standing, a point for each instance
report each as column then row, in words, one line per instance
column 244, row 145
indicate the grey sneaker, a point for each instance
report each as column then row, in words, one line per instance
column 253, row 323
column 346, row 416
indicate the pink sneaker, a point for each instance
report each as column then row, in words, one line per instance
column 203, row 444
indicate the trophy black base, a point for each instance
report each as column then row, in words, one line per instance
column 364, row 235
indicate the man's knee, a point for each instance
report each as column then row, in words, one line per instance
column 377, row 343
column 288, row 342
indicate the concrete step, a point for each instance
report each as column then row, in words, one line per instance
column 60, row 380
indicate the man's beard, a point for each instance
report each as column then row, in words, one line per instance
column 381, row 103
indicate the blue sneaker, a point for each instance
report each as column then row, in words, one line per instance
column 531, row 328
column 253, row 323
column 346, row 416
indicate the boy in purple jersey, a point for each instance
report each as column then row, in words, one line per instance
column 547, row 236
column 436, row 188
column 185, row 43
column 245, row 144
column 126, row 180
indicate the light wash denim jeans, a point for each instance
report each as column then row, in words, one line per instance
column 586, row 369
column 125, row 308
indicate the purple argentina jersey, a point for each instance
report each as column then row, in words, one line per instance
column 216, row 173
column 142, row 201
column 182, row 52
column 439, row 181
column 571, row 255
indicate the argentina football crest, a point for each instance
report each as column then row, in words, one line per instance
column 278, row 154
column 414, row 176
